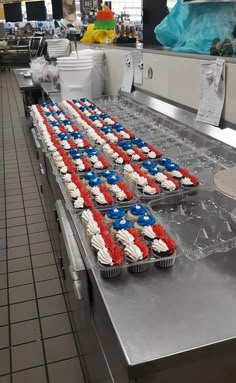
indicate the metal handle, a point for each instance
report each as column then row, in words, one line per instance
column 78, row 290
column 73, row 274
column 42, row 170
column 73, row 252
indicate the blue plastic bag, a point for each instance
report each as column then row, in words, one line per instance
column 173, row 25
column 198, row 25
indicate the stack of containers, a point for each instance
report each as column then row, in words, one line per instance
column 98, row 80
column 76, row 76
column 58, row 47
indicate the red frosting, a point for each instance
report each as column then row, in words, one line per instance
column 157, row 152
column 103, row 161
column 170, row 244
column 140, row 154
column 124, row 188
column 134, row 233
column 159, row 230
column 143, row 247
column 117, row 255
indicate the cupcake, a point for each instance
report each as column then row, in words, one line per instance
column 162, row 162
column 88, row 176
column 109, row 260
column 173, row 170
column 92, row 228
column 189, row 181
column 147, row 165
column 135, row 253
column 152, row 232
column 143, row 221
column 124, row 237
column 128, row 170
column 93, row 182
column 164, row 247
column 114, row 214
column 170, row 185
column 120, row 224
column 113, row 180
column 107, row 173
column 135, row 211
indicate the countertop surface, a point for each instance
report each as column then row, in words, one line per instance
column 167, row 312
column 24, row 82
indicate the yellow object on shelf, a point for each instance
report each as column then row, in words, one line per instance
column 99, row 36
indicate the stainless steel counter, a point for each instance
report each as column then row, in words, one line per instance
column 169, row 325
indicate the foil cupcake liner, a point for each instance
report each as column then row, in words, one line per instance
column 113, row 272
column 138, row 268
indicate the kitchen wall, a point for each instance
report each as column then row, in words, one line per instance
column 175, row 78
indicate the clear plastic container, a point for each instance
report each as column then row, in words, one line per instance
column 134, row 267
column 201, row 225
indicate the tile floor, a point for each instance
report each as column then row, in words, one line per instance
column 36, row 340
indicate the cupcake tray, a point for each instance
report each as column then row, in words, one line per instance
column 70, row 203
column 163, row 193
column 200, row 225
column 140, row 267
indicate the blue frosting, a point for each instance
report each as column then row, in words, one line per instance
column 108, row 173
column 164, row 161
column 115, row 213
column 93, row 118
column 154, row 171
column 55, row 123
column 106, row 130
column 120, row 224
column 95, row 181
column 48, row 114
column 149, row 165
column 138, row 210
column 171, row 167
column 139, row 142
column 76, row 135
column 63, row 136
column 92, row 107
column 104, row 116
column 118, row 127
column 74, row 151
column 146, row 220
column 76, row 156
column 89, row 175
column 60, row 112
column 82, row 108
column 67, row 122
column 126, row 145
column 91, row 151
column 44, row 104
column 75, row 100
column 84, row 99
column 114, row 179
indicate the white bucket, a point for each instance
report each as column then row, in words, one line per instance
column 76, row 83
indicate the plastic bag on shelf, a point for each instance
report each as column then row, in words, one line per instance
column 53, row 74
column 192, row 28
column 39, row 70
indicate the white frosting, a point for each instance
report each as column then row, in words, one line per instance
column 115, row 189
column 120, row 160
column 87, row 216
column 135, row 157
column 79, row 142
column 124, row 237
column 98, row 165
column 52, row 148
column 176, row 174
column 130, row 152
column 64, row 170
column 159, row 246
column 115, row 155
column 78, row 161
column 149, row 190
column 104, row 257
column 145, row 149
column 160, row 177
column 94, row 159
column 79, row 203
column 152, row 155
column 101, row 199
column 133, row 252
column 65, row 145
column 71, row 186
column 134, row 177
column 186, row 181
column 75, row 193
column 111, row 137
column 128, row 168
column 92, row 228
column 97, row 242
column 67, row 178
column 124, row 135
column 81, row 168
column 167, row 184
column 95, row 191
column 142, row 181
column 121, row 196
column 148, row 232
